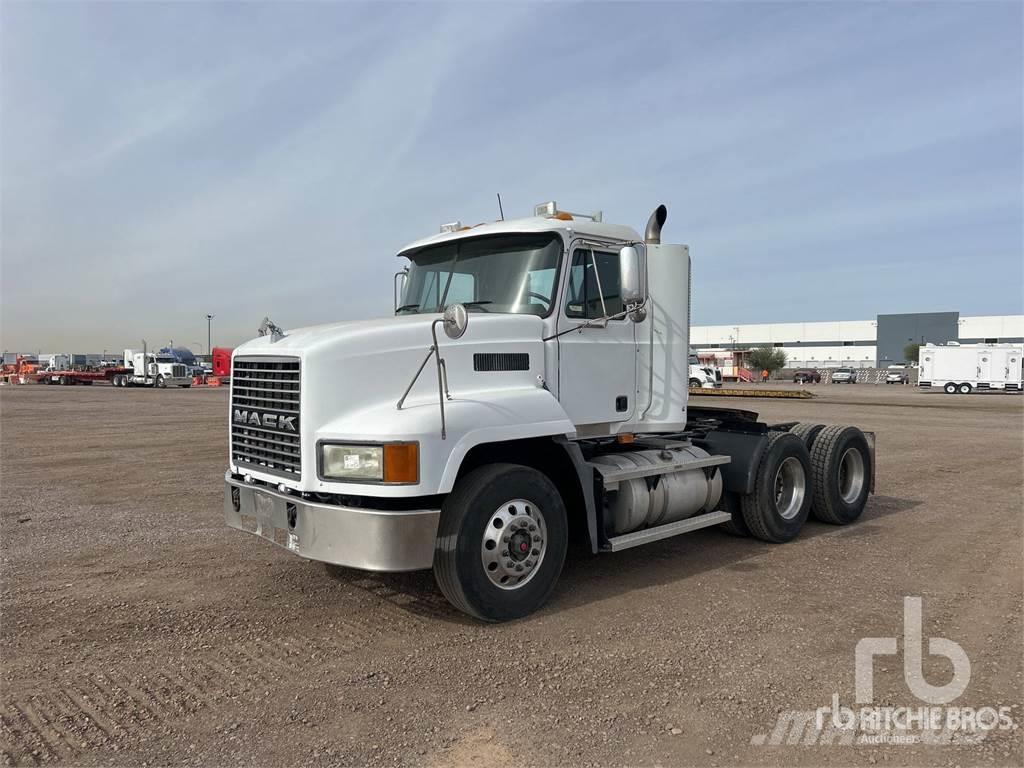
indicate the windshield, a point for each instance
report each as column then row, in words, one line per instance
column 500, row 273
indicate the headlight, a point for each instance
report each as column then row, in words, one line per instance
column 387, row 463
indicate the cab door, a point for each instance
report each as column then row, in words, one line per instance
column 596, row 363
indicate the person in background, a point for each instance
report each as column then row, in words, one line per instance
column 764, row 375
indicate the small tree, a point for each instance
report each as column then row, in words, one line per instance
column 911, row 352
column 769, row 359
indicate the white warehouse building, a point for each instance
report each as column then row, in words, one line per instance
column 854, row 343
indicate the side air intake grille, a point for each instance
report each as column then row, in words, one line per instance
column 501, row 361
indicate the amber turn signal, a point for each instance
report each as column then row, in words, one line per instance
column 401, row 463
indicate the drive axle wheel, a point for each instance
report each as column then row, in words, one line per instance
column 807, row 432
column 841, row 468
column 781, row 501
column 501, row 542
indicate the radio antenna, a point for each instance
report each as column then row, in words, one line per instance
column 500, row 211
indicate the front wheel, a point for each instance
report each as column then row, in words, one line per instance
column 160, row 381
column 501, row 542
column 694, row 383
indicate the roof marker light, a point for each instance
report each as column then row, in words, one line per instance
column 453, row 226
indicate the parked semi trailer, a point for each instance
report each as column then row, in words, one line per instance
column 964, row 368
column 531, row 388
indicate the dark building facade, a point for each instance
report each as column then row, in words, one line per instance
column 895, row 332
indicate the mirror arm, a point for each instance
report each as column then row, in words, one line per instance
column 404, row 274
column 599, row 322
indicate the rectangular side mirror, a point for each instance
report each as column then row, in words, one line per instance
column 629, row 276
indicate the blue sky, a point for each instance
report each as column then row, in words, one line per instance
column 823, row 161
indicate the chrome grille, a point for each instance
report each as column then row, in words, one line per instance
column 265, row 415
column 178, row 371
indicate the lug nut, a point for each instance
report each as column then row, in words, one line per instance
column 536, row 538
column 535, row 552
column 533, row 527
column 519, row 567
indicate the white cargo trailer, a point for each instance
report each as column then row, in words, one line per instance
column 964, row 368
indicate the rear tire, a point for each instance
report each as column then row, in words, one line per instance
column 841, row 470
column 964, row 389
column 807, row 432
column 950, row 388
column 781, row 501
column 492, row 512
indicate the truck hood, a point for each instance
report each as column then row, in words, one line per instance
column 353, row 371
column 400, row 336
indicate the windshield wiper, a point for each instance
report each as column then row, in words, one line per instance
column 408, row 306
column 476, row 304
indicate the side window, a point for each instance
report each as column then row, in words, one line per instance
column 588, row 287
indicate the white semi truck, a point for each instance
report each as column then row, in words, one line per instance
column 702, row 377
column 530, row 389
column 150, row 369
column 964, row 368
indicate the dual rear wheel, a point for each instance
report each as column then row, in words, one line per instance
column 811, row 470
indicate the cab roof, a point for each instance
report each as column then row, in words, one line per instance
column 567, row 228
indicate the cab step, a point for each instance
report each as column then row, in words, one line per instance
column 647, row 535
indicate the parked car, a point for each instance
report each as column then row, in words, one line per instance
column 844, row 376
column 897, row 374
column 807, row 376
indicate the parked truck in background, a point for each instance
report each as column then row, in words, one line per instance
column 220, row 362
column 702, row 377
column 530, row 389
column 964, row 368
column 149, row 369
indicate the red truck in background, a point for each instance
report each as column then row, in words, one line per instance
column 221, row 362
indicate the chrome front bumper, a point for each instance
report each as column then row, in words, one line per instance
column 369, row 539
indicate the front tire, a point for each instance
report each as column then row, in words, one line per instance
column 841, row 470
column 781, row 501
column 694, row 383
column 160, row 381
column 501, row 542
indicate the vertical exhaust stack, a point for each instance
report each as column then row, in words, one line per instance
column 652, row 234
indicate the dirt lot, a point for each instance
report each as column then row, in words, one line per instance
column 137, row 629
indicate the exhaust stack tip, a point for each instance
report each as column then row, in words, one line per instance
column 654, row 224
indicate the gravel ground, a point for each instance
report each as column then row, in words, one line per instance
column 137, row 629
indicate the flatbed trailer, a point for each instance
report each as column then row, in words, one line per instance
column 68, row 377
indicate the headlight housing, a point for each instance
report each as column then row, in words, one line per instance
column 392, row 463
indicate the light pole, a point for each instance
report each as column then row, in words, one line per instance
column 209, row 344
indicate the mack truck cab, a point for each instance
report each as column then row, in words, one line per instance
column 530, row 389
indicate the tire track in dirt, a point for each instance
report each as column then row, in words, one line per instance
column 114, row 710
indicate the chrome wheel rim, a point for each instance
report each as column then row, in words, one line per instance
column 514, row 543
column 790, row 488
column 851, row 475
